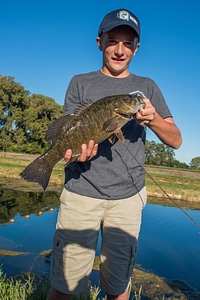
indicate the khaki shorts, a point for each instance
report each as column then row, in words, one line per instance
column 79, row 220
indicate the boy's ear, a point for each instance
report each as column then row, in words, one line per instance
column 99, row 44
column 136, row 48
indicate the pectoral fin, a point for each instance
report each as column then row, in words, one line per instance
column 110, row 125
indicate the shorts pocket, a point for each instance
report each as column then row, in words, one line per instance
column 57, row 257
column 132, row 259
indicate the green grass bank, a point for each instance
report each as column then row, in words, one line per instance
column 162, row 183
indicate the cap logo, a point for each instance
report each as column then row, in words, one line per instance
column 124, row 15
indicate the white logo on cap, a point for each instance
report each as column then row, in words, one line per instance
column 124, row 15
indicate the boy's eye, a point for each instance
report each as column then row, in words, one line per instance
column 128, row 44
column 112, row 41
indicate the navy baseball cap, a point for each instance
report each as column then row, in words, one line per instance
column 119, row 17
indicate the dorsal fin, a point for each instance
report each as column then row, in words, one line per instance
column 83, row 105
column 56, row 127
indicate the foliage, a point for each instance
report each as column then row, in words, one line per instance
column 195, row 163
column 159, row 154
column 24, row 118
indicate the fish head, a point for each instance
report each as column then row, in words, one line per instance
column 127, row 105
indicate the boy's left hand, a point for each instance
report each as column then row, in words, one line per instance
column 145, row 115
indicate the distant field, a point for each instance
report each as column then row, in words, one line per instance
column 179, row 184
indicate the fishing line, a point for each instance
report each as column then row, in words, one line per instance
column 160, row 187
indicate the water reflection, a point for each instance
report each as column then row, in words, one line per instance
column 25, row 241
column 169, row 243
column 13, row 202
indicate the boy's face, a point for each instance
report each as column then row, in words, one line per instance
column 119, row 45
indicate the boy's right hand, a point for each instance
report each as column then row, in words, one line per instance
column 87, row 153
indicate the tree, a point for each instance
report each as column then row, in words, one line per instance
column 159, row 154
column 37, row 118
column 13, row 100
column 24, row 118
column 178, row 164
column 195, row 163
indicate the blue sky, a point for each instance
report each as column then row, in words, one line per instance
column 45, row 43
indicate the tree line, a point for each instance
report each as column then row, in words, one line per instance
column 25, row 118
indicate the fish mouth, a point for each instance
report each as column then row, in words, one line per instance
column 124, row 115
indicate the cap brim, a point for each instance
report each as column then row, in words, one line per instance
column 116, row 24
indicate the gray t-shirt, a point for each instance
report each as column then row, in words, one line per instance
column 116, row 171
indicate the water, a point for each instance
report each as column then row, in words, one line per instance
column 169, row 243
column 33, row 236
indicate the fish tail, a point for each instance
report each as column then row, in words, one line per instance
column 38, row 171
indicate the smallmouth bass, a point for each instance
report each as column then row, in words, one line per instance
column 99, row 121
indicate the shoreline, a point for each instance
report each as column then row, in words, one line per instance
column 161, row 182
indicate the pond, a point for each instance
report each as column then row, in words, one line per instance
column 169, row 243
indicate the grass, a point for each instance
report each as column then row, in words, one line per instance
column 178, row 183
column 31, row 287
column 27, row 289
column 11, row 288
column 144, row 285
column 12, row 167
